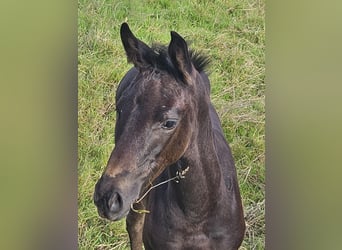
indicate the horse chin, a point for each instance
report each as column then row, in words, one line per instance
column 118, row 216
column 114, row 216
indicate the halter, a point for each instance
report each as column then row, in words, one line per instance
column 179, row 175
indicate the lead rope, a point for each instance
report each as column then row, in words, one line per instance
column 179, row 175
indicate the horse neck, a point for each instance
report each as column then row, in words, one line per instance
column 203, row 178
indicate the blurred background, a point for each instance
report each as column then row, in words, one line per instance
column 38, row 103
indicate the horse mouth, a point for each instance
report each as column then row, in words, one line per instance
column 112, row 216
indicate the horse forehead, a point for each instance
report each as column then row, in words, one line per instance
column 159, row 82
column 158, row 87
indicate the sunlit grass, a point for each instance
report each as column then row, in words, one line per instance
column 232, row 34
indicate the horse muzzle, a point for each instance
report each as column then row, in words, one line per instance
column 112, row 203
column 111, row 207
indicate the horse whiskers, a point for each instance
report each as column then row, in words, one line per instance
column 179, row 175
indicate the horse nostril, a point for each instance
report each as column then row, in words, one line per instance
column 115, row 203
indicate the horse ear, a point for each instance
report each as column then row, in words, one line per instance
column 179, row 54
column 136, row 50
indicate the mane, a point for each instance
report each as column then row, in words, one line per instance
column 160, row 59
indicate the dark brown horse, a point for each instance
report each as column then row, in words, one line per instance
column 168, row 136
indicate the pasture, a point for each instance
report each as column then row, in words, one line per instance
column 232, row 34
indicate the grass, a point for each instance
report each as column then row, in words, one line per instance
column 232, row 34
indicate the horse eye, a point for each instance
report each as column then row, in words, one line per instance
column 169, row 124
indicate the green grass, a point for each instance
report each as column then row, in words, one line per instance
column 232, row 34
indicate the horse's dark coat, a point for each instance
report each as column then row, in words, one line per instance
column 166, row 123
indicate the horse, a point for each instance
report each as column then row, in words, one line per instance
column 171, row 172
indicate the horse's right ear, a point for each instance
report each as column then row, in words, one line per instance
column 137, row 51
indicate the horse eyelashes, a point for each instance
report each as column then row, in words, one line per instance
column 169, row 124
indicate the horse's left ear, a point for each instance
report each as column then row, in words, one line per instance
column 179, row 54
